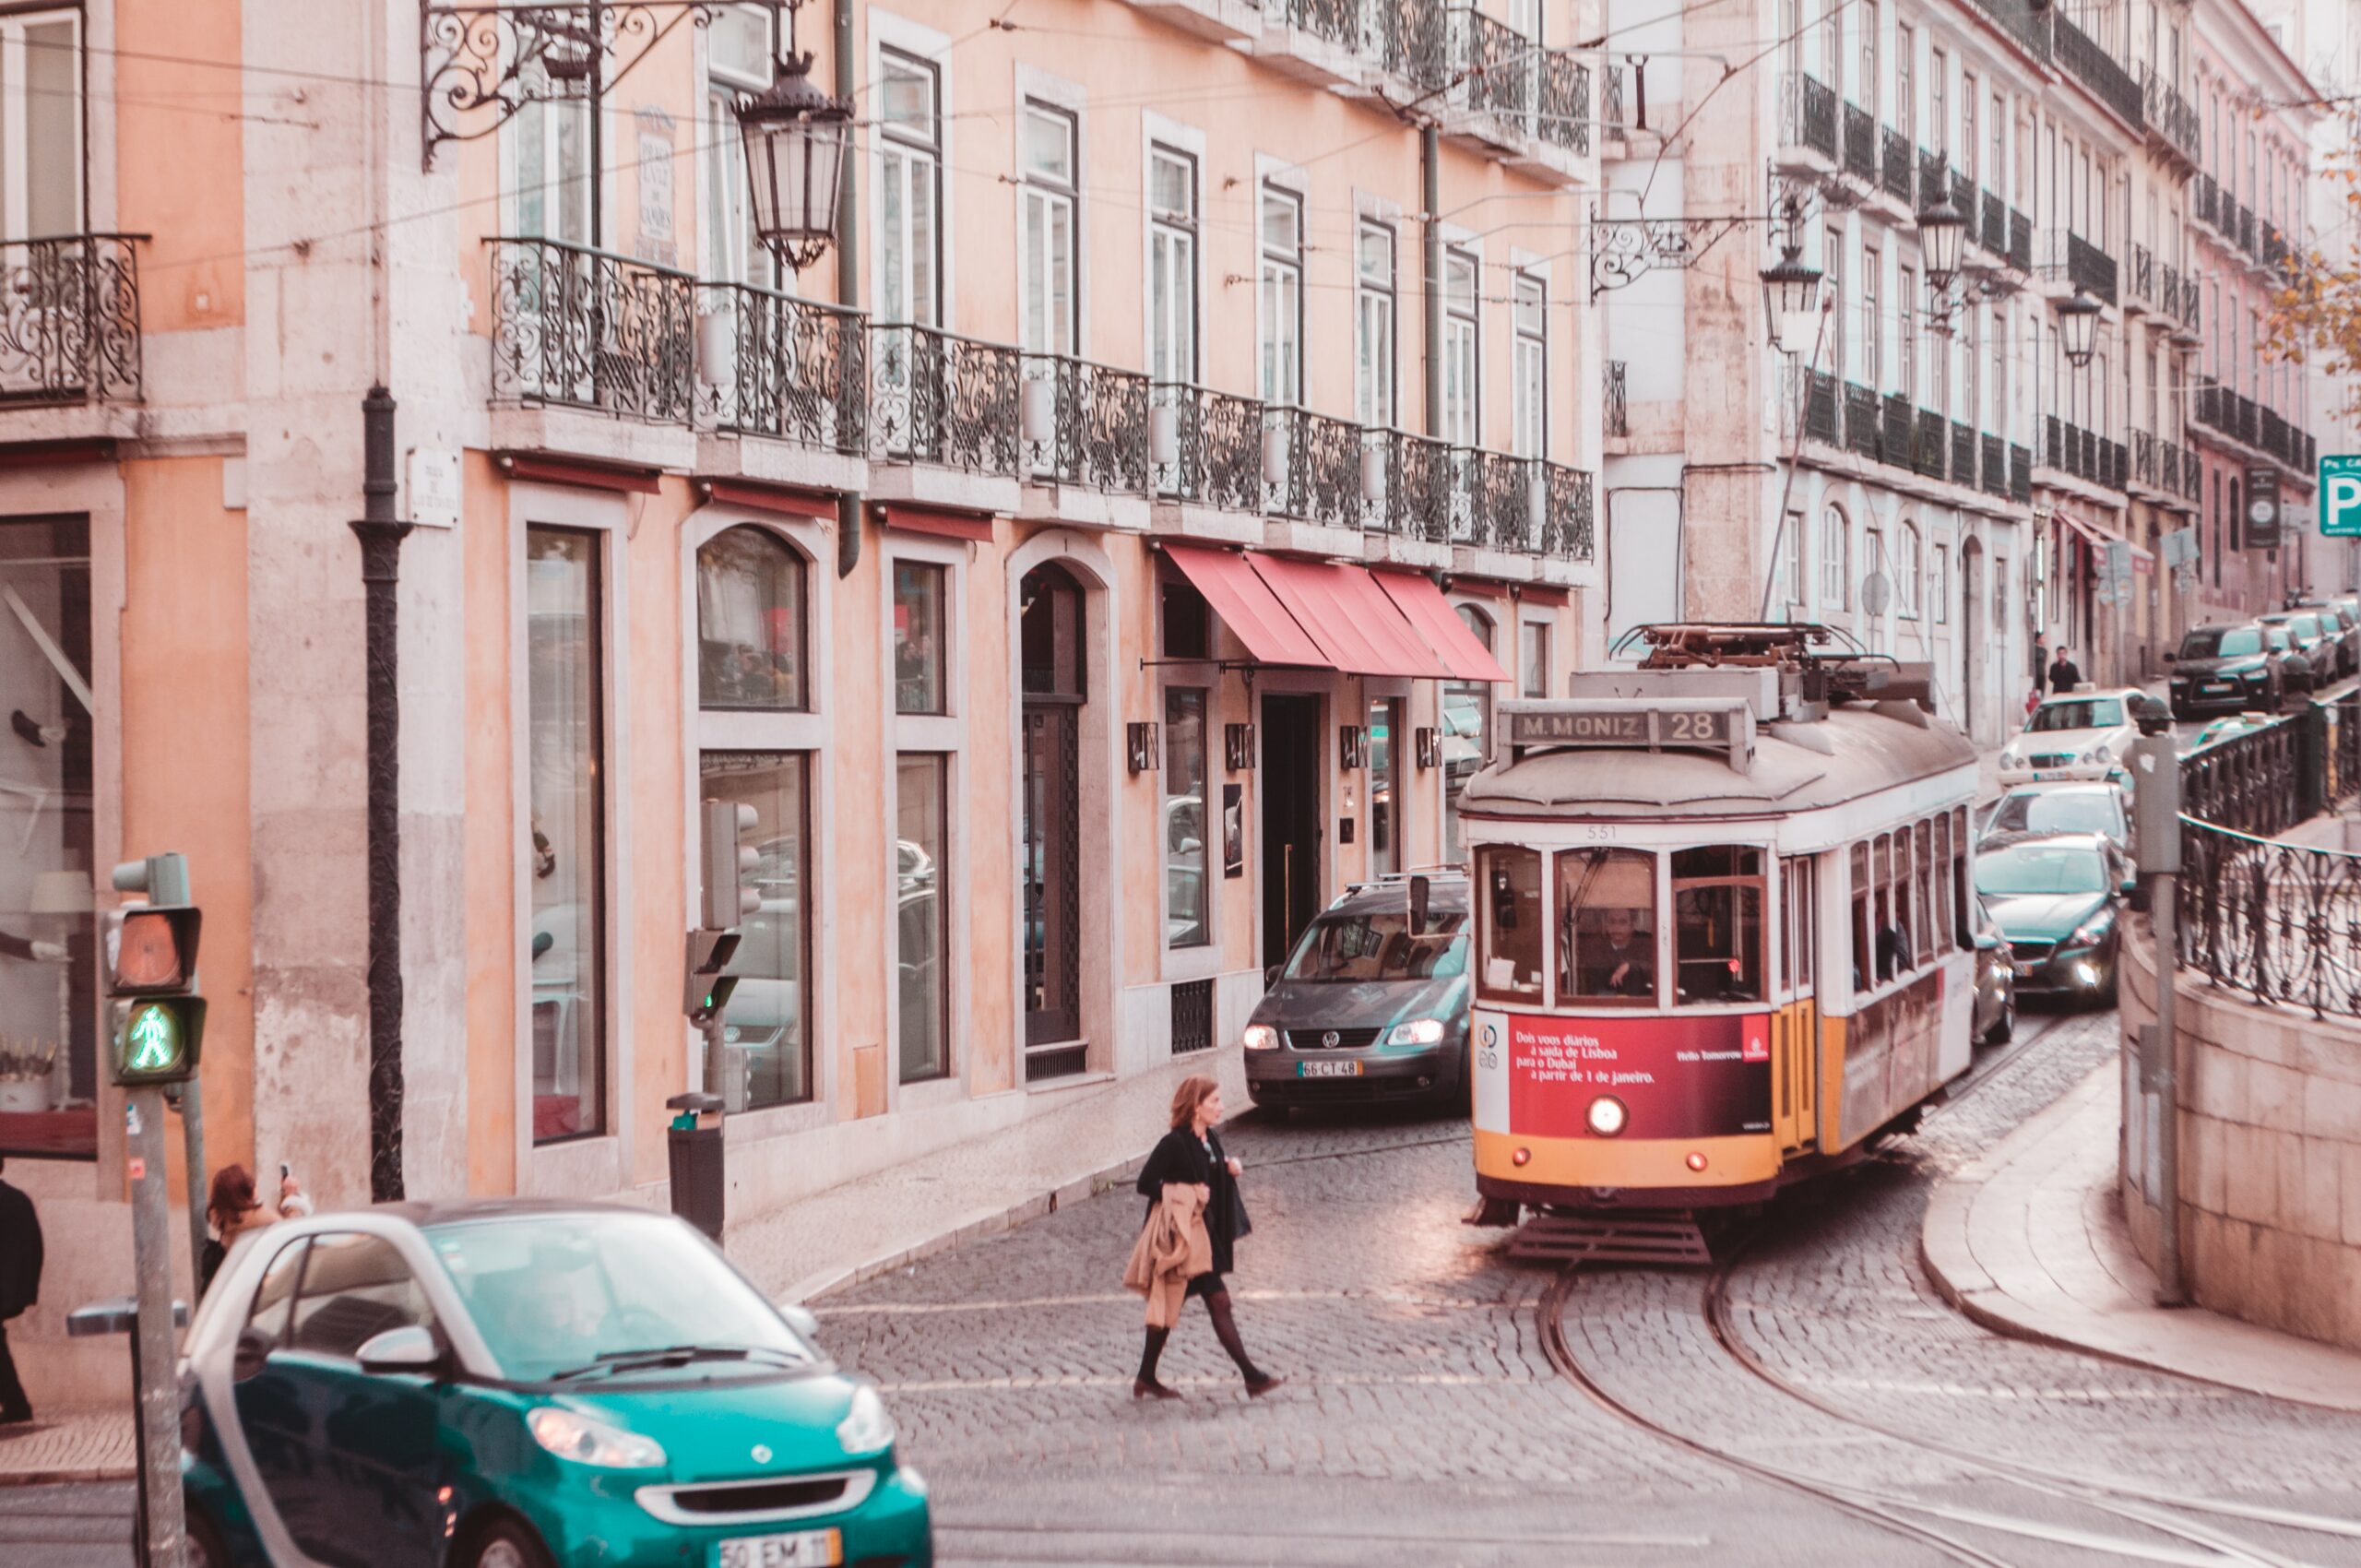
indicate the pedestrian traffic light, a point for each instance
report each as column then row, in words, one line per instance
column 728, row 857
column 708, row 988
column 158, row 1038
column 150, row 953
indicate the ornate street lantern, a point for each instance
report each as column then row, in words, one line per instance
column 1942, row 231
column 794, row 136
column 1790, row 289
column 2077, row 328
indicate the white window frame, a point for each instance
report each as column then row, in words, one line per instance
column 1274, row 267
column 1939, row 584
column 1377, row 312
column 1908, row 578
column 16, row 98
column 911, row 45
column 1463, row 350
column 1530, row 365
column 732, row 254
column 1835, row 558
column 1043, row 94
column 1185, row 144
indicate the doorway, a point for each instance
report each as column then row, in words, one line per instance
column 1289, row 785
column 1051, row 620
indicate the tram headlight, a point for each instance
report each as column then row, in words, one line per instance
column 1418, row 1031
column 1608, row 1116
column 1260, row 1037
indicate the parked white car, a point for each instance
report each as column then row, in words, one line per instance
column 2081, row 735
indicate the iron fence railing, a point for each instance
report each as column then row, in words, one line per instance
column 1860, row 145
column 1820, row 407
column 590, row 330
column 939, row 398
column 1617, row 412
column 2206, row 201
column 1085, row 423
column 69, row 320
column 2020, row 473
column 1894, row 163
column 2170, row 117
column 2143, row 276
column 1337, row 21
column 1861, row 419
column 2087, row 267
column 1964, row 199
column 1611, row 102
column 2108, row 81
column 1993, row 235
column 1963, row 464
column 2274, row 246
column 1565, row 116
column 1215, row 443
column 1927, row 444
column 1317, row 475
column 1568, row 525
column 793, row 369
column 1995, row 467
column 1499, row 67
column 1894, row 437
column 2020, row 241
column 2143, row 460
column 2027, row 21
column 1810, row 115
column 1934, row 178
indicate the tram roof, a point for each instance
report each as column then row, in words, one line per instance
column 1866, row 752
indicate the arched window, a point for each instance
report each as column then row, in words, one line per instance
column 1906, row 565
column 749, row 621
column 1466, row 731
column 1835, row 561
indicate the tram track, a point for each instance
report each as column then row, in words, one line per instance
column 1948, row 1528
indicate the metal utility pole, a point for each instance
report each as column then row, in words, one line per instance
column 2156, row 804
column 153, row 1351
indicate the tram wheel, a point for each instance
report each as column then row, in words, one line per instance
column 2004, row 1027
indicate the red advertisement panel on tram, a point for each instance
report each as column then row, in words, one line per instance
column 1677, row 1077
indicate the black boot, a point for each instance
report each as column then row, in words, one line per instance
column 1144, row 1385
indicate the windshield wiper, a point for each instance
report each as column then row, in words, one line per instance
column 675, row 1356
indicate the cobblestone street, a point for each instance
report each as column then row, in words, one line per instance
column 1424, row 1421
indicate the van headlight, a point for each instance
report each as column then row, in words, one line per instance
column 866, row 1429
column 1260, row 1037
column 1418, row 1031
column 573, row 1436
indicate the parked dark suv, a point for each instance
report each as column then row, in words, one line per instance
column 2316, row 639
column 2342, row 627
column 2230, row 669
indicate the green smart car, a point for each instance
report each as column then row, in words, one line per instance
column 519, row 1384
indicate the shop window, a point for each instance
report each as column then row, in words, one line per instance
column 1606, row 927
column 567, row 759
column 1187, row 915
column 1466, row 734
column 767, row 1026
column 1188, row 621
column 1717, row 930
column 48, row 952
column 919, row 592
column 1511, row 926
column 1533, row 657
column 749, row 621
column 923, row 789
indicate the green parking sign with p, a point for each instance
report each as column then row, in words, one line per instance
column 2340, row 491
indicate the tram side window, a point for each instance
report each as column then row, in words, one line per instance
column 1717, row 924
column 1799, row 897
column 1924, row 949
column 1607, row 926
column 1860, row 917
column 1943, row 923
column 1962, row 888
column 1894, row 945
column 1512, row 923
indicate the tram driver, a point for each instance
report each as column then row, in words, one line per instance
column 1615, row 961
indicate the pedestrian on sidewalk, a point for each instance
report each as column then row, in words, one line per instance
column 2064, row 676
column 1189, row 1158
column 20, row 1289
column 232, row 1209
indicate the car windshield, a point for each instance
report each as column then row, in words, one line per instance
column 2039, row 867
column 553, row 1293
column 2217, row 642
column 2304, row 625
column 2054, row 811
column 2089, row 713
column 1340, row 949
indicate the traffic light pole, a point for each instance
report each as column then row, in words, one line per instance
column 2156, row 798
column 151, row 1250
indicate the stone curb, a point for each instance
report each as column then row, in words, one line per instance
column 68, row 1475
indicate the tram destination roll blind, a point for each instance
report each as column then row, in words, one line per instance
column 1723, row 726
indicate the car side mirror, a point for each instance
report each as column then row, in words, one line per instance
column 1270, row 977
column 252, row 1350
column 409, row 1348
column 802, row 1320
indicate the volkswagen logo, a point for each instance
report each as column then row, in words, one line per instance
column 761, row 1453
column 1329, row 1040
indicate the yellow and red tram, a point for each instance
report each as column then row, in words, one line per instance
column 1724, row 932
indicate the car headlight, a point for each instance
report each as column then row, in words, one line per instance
column 586, row 1442
column 2092, row 931
column 1606, row 1116
column 1418, row 1031
column 1260, row 1037
column 2009, row 759
column 2096, row 753
column 866, row 1429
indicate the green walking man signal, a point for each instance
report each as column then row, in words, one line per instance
column 152, row 971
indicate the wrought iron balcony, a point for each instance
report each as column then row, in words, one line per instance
column 939, row 398
column 791, row 369
column 1564, row 119
column 2144, row 461
column 592, row 330
column 1934, row 178
column 1893, row 438
column 1097, row 425
column 1894, row 163
column 69, row 320
column 2027, row 21
column 1618, row 411
column 2274, row 247
column 2020, row 473
column 2206, row 201
column 2020, row 241
column 1498, row 67
column 1962, row 470
column 1217, row 442
column 1568, row 523
column 1861, row 419
column 1823, row 418
column 2192, row 473
column 2142, row 292
column 1995, row 467
column 1610, row 102
column 1860, row 145
column 2099, row 71
column 1420, row 479
column 2238, row 223
column 1994, row 233
column 1494, row 502
column 1337, row 21
column 1927, row 444
column 2089, row 267
column 1311, row 468
column 1964, row 199
column 2172, row 120
column 1809, row 116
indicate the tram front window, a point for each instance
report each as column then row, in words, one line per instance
column 1512, row 922
column 1717, row 924
column 1606, row 927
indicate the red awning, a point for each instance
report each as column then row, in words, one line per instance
column 1344, row 610
column 1423, row 605
column 768, row 498
column 1555, row 598
column 1247, row 606
column 949, row 525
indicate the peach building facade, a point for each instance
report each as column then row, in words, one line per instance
column 933, row 554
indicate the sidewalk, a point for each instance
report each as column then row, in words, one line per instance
column 93, row 1445
column 2030, row 1241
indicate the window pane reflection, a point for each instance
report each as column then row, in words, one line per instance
column 917, row 637
column 749, row 621
column 921, row 805
column 1185, row 920
column 766, row 1019
column 564, row 743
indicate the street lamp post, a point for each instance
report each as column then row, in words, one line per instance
column 2077, row 328
column 1942, row 228
column 793, row 135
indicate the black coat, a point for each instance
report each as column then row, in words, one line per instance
column 2064, row 676
column 1179, row 1157
column 20, row 1253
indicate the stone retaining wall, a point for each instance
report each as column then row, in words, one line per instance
column 2269, row 1151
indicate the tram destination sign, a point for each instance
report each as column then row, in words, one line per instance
column 1634, row 724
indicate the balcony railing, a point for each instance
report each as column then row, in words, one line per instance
column 1618, row 410
column 1811, row 116
column 1217, row 442
column 2144, row 461
column 2099, row 71
column 939, row 398
column 1894, row 163
column 1611, row 115
column 1860, row 145
column 1996, row 466
column 2089, row 267
column 1568, row 523
column 2143, row 276
column 1821, row 421
column 2027, row 21
column 2170, row 117
column 69, row 320
column 1963, row 454
column 1096, row 424
column 2206, row 201
column 1893, row 438
column 1934, row 178
column 1994, row 233
column 1317, row 478
column 592, row 330
column 2238, row 223
column 1565, row 118
column 1337, row 21
column 2020, row 473
column 1927, row 444
column 2274, row 247
column 2020, row 241
column 797, row 369
column 1861, row 419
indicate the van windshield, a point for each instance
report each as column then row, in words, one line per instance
column 2219, row 642
column 1343, row 949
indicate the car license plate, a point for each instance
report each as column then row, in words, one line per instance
column 1327, row 1069
column 804, row 1549
column 2044, row 775
column 2216, row 688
